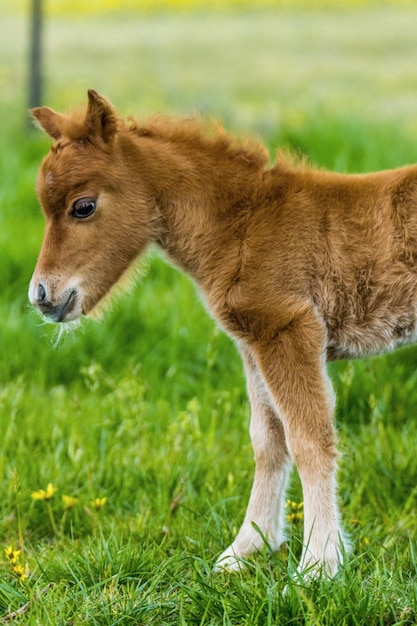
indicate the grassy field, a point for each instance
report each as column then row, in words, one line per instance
column 125, row 462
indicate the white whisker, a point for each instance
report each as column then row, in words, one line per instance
column 64, row 329
column 59, row 331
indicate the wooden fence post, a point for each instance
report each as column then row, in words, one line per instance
column 35, row 69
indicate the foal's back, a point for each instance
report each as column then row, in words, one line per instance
column 347, row 244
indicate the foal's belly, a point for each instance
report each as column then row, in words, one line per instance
column 384, row 333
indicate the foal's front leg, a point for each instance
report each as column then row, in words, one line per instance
column 293, row 365
column 266, row 503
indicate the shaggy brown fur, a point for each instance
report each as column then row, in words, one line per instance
column 298, row 265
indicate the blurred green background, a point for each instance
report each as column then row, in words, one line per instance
column 254, row 62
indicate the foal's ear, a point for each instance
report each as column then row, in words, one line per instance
column 49, row 121
column 101, row 119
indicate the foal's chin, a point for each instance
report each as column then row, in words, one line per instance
column 96, row 310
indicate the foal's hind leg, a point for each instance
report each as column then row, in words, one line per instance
column 266, row 503
column 293, row 365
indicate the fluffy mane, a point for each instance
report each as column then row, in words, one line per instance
column 206, row 136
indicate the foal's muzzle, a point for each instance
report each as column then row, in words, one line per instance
column 61, row 308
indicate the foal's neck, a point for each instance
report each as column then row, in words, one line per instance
column 204, row 191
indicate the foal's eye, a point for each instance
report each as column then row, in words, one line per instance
column 84, row 207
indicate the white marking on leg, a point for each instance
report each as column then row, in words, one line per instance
column 266, row 503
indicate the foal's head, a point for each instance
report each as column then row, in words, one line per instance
column 98, row 220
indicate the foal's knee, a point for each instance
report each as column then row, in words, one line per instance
column 314, row 451
column 268, row 440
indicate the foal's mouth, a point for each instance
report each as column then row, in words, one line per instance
column 59, row 312
column 66, row 308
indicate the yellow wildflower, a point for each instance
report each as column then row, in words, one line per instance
column 98, row 503
column 12, row 555
column 69, row 502
column 44, row 494
column 19, row 571
column 296, row 514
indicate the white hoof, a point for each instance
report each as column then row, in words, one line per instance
column 309, row 569
column 229, row 561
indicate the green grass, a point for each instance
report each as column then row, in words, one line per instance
column 148, row 408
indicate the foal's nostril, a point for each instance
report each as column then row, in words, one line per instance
column 40, row 293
